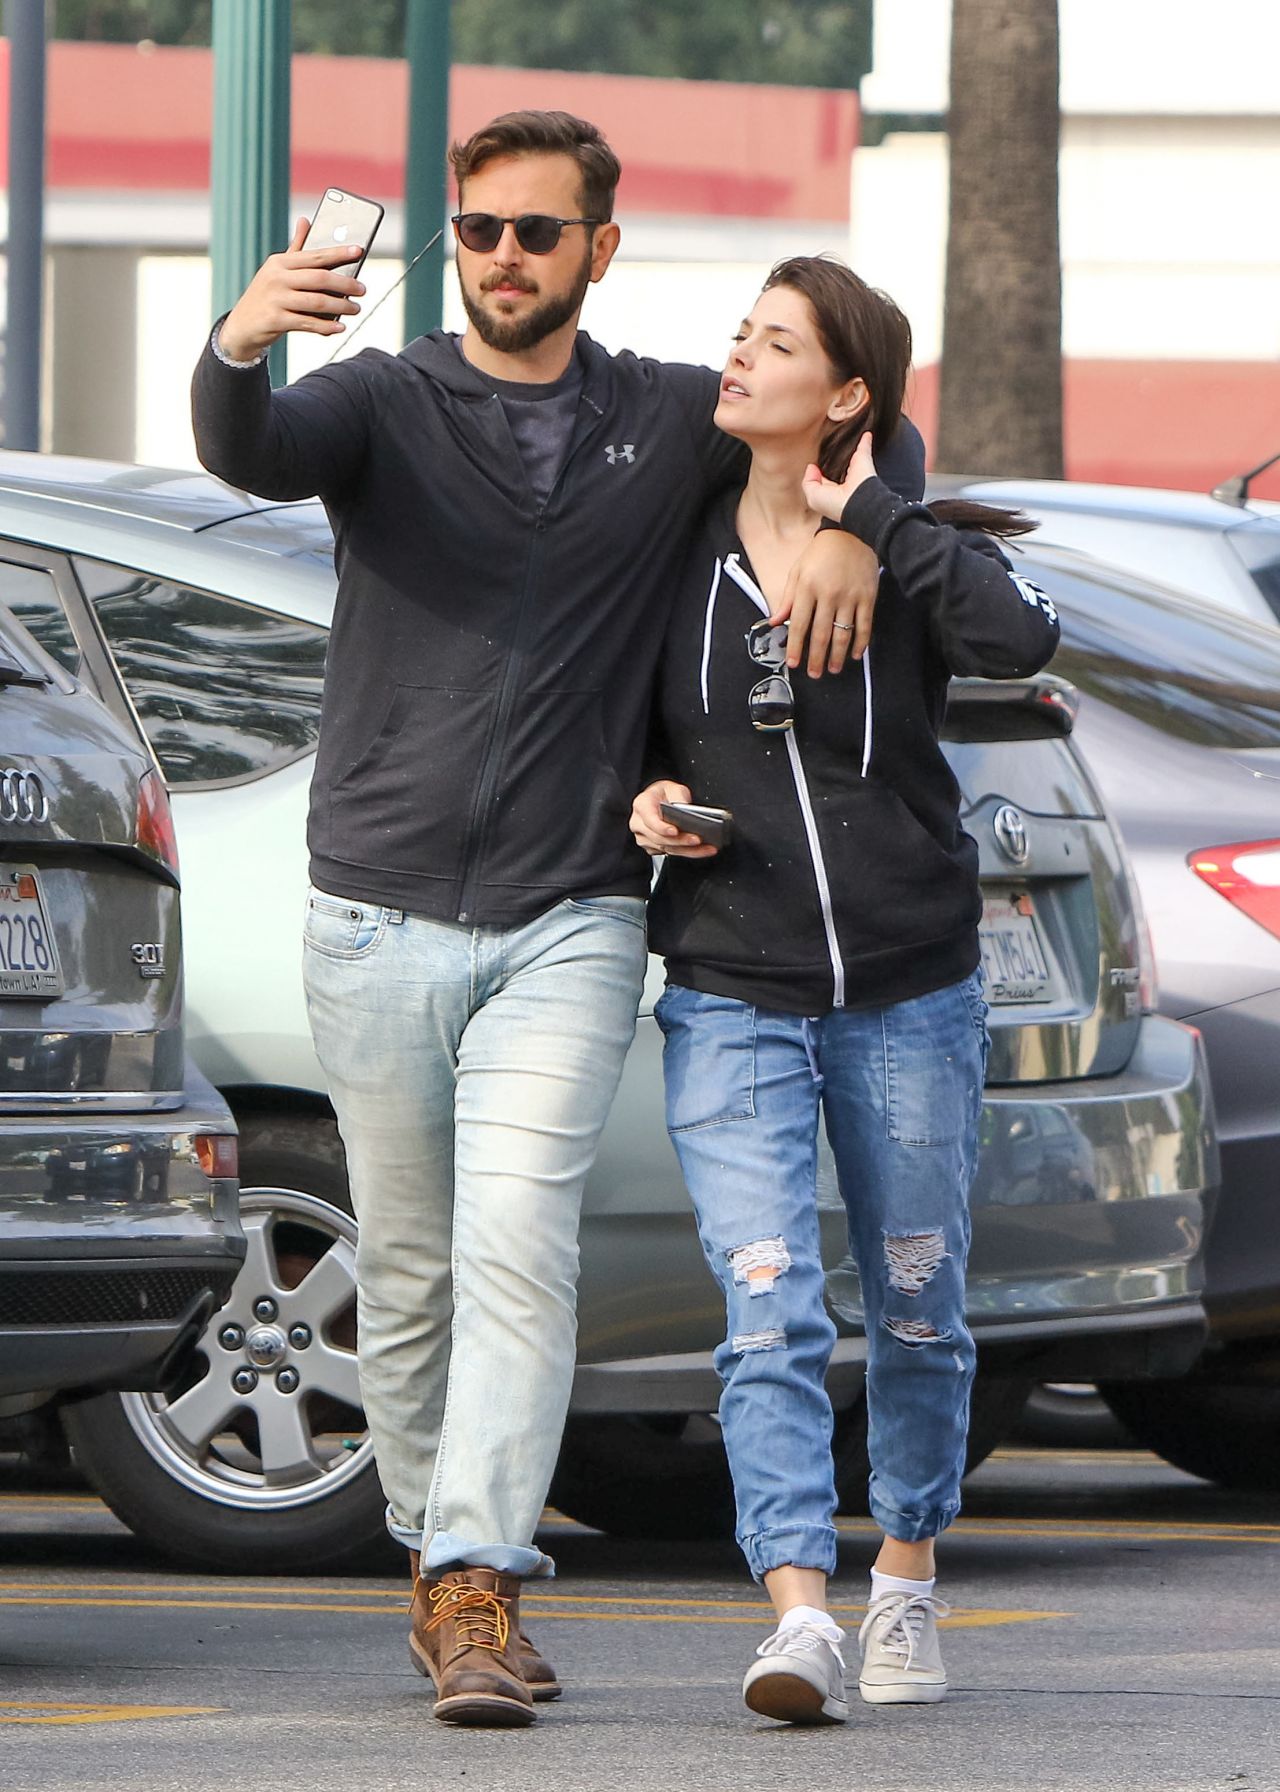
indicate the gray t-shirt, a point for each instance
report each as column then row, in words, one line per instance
column 541, row 419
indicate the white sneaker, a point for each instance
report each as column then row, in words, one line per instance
column 901, row 1662
column 799, row 1678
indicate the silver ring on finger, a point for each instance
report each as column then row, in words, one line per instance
column 848, row 626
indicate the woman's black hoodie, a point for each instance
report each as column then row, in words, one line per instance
column 849, row 881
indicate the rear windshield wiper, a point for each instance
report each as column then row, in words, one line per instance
column 13, row 672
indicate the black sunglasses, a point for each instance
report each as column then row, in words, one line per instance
column 771, row 703
column 536, row 233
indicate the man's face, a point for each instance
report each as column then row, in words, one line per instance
column 515, row 299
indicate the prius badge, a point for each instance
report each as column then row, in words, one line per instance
column 1011, row 834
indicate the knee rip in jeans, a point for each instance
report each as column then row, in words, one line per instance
column 913, row 1258
column 759, row 1264
column 912, row 1333
column 770, row 1338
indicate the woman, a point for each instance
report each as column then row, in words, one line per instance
column 827, row 958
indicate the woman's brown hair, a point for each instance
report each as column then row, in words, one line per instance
column 865, row 336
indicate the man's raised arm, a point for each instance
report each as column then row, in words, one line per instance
column 307, row 438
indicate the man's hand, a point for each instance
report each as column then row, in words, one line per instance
column 658, row 836
column 830, row 599
column 302, row 289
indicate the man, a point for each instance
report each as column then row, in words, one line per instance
column 509, row 511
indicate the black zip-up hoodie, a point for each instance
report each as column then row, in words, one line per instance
column 492, row 658
column 849, row 881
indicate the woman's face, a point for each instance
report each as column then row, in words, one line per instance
column 778, row 384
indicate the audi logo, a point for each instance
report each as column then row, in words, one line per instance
column 22, row 796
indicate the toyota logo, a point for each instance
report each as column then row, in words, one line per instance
column 1011, row 834
column 22, row 796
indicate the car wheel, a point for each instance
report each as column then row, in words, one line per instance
column 659, row 1476
column 1070, row 1415
column 994, row 1407
column 666, row 1477
column 258, row 1457
column 1226, row 1434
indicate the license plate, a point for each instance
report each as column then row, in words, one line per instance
column 1018, row 966
column 28, row 952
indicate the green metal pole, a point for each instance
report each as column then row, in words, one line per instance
column 251, row 51
column 426, row 31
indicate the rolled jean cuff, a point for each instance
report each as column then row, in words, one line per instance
column 791, row 1546
column 912, row 1527
column 445, row 1551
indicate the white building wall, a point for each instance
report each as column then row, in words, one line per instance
column 1170, row 235
column 682, row 310
column 1118, row 56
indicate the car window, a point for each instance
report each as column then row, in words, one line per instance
column 225, row 690
column 1191, row 669
column 32, row 595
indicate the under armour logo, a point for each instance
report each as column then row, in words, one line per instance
column 627, row 452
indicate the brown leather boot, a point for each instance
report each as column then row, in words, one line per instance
column 463, row 1637
column 539, row 1675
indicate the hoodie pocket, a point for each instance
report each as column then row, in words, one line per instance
column 405, row 803
column 560, row 812
column 894, row 883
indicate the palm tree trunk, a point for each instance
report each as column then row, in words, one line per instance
column 1000, row 405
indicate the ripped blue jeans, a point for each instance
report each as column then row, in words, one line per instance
column 900, row 1091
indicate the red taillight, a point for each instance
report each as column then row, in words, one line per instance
column 218, row 1153
column 1248, row 875
column 155, row 821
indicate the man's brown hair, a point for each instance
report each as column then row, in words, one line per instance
column 545, row 134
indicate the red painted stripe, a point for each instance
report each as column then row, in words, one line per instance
column 1182, row 425
column 120, row 116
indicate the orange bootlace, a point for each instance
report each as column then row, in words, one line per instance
column 480, row 1616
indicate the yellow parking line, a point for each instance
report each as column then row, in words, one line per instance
column 49, row 1499
column 583, row 1609
column 543, row 1605
column 94, row 1714
column 1089, row 1530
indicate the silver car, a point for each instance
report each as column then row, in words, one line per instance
column 211, row 611
column 1226, row 554
column 119, row 1227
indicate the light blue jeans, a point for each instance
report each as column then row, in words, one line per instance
column 471, row 1071
column 900, row 1089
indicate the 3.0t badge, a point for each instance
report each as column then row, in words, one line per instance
column 149, row 958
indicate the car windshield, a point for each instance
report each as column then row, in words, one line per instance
column 1187, row 668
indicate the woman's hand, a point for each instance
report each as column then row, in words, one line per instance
column 828, row 498
column 658, row 836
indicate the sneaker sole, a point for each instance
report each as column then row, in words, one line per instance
column 792, row 1700
column 912, row 1692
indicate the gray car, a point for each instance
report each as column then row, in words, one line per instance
column 211, row 614
column 1180, row 722
column 119, row 1226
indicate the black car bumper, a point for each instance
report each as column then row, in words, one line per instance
column 115, row 1245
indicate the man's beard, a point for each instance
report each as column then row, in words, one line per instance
column 512, row 335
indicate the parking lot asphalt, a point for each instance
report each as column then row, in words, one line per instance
column 1114, row 1626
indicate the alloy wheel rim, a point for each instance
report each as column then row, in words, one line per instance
column 254, row 1429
